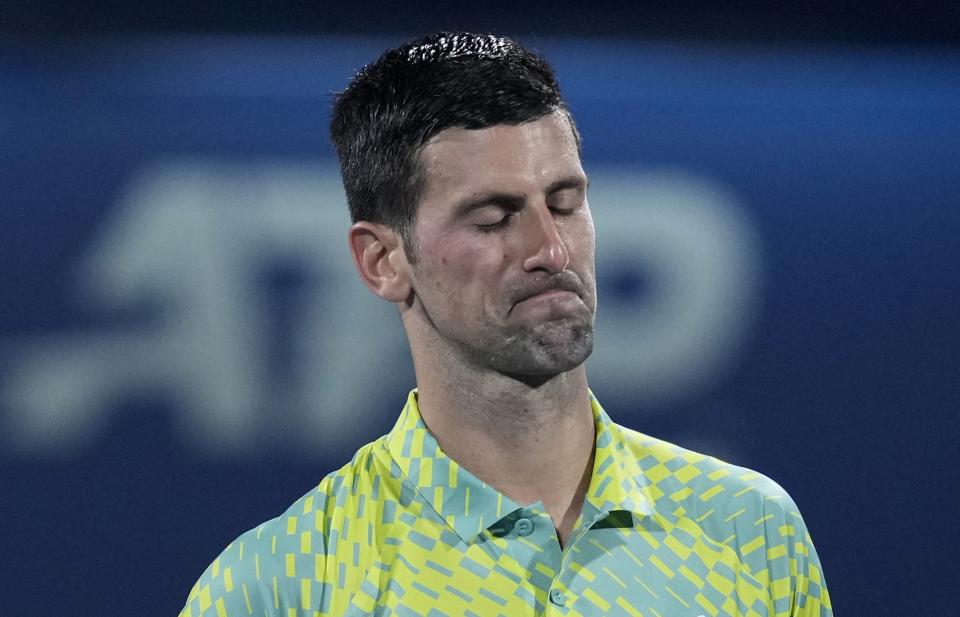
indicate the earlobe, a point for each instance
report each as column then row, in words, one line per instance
column 378, row 255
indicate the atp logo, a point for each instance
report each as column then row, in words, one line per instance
column 193, row 239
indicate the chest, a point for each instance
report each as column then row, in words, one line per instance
column 521, row 570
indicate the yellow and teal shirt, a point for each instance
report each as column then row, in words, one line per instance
column 402, row 530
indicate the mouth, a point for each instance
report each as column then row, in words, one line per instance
column 551, row 293
column 562, row 289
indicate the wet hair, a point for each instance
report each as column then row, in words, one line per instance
column 394, row 106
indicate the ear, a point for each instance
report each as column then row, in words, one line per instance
column 380, row 260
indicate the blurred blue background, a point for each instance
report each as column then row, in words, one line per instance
column 185, row 349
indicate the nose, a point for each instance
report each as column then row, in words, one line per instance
column 545, row 248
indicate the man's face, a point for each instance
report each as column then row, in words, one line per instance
column 505, row 247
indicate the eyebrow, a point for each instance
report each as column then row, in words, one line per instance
column 570, row 182
column 514, row 201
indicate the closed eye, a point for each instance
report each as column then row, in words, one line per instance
column 566, row 211
column 567, row 201
column 503, row 222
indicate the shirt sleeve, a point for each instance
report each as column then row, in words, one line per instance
column 239, row 582
column 795, row 575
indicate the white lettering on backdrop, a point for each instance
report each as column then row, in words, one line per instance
column 189, row 242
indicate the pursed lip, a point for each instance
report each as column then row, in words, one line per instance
column 552, row 292
column 561, row 283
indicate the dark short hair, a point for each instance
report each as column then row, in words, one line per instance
column 392, row 108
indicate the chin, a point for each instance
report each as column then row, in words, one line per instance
column 547, row 358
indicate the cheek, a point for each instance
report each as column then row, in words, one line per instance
column 468, row 257
column 466, row 269
column 584, row 238
column 451, row 273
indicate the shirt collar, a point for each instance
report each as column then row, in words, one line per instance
column 617, row 483
column 470, row 506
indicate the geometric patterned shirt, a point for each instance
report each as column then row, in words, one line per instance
column 403, row 530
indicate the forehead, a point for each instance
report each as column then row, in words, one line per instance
column 516, row 158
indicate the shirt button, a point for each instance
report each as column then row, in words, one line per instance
column 524, row 526
column 558, row 597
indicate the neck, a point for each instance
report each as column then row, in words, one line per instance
column 531, row 443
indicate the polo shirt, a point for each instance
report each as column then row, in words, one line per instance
column 403, row 530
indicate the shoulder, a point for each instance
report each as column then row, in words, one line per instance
column 281, row 563
column 731, row 505
column 734, row 508
column 698, row 480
